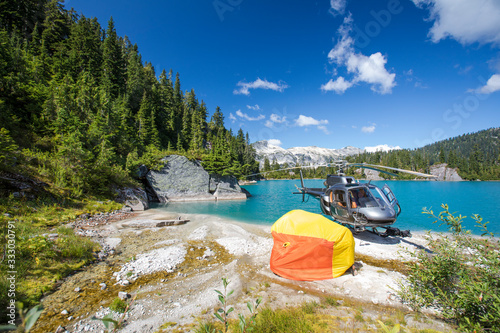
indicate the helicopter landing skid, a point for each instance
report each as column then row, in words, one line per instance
column 390, row 231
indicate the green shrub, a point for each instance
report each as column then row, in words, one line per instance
column 282, row 320
column 118, row 305
column 72, row 246
column 459, row 276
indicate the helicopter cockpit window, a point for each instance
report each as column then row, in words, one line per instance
column 361, row 198
column 339, row 198
column 379, row 196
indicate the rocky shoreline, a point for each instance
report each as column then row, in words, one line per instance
column 171, row 272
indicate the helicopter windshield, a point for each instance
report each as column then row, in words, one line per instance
column 380, row 196
column 361, row 197
column 364, row 197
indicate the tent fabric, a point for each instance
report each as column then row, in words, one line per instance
column 310, row 247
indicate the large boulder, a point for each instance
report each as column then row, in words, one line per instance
column 180, row 180
column 443, row 172
column 184, row 180
column 135, row 198
column 227, row 188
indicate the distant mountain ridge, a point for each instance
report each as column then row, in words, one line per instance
column 311, row 155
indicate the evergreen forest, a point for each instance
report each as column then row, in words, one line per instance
column 81, row 110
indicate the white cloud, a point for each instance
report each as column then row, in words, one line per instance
column 247, row 117
column 255, row 107
column 369, row 69
column 232, row 117
column 372, row 70
column 340, row 85
column 381, row 148
column 305, row 121
column 464, row 20
column 492, row 85
column 258, row 84
column 368, row 129
column 344, row 46
column 309, row 121
column 274, row 142
column 337, row 7
column 277, row 119
column 324, row 129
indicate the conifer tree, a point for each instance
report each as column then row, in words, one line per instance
column 113, row 64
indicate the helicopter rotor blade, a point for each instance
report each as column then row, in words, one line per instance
column 377, row 168
column 297, row 167
column 342, row 163
column 380, row 170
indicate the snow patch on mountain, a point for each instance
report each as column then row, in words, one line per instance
column 311, row 155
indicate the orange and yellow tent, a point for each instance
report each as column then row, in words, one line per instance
column 309, row 247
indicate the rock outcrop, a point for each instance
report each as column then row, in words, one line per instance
column 135, row 198
column 444, row 173
column 184, row 180
column 370, row 174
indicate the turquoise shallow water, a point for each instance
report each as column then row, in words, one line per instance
column 271, row 199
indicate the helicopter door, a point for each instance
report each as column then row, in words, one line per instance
column 392, row 199
column 340, row 204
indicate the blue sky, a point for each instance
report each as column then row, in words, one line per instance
column 329, row 73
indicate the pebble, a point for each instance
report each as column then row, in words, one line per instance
column 64, row 312
column 301, row 292
column 103, row 286
column 70, row 318
column 78, row 289
column 61, row 329
column 125, row 282
column 123, row 295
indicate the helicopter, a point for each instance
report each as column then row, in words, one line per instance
column 359, row 206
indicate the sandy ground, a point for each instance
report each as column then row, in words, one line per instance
column 171, row 273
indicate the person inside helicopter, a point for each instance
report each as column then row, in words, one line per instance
column 359, row 198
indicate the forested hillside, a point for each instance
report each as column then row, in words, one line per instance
column 476, row 155
column 80, row 109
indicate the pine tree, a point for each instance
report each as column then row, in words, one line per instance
column 113, row 63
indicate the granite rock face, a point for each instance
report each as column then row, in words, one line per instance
column 444, row 173
column 370, row 174
column 184, row 180
column 227, row 188
column 135, row 198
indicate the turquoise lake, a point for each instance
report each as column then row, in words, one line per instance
column 273, row 198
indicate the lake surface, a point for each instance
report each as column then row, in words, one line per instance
column 273, row 198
